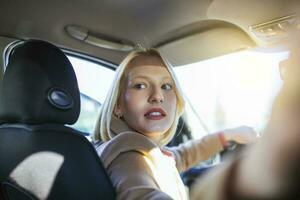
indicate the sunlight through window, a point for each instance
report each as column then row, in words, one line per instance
column 232, row 90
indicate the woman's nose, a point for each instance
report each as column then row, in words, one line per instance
column 156, row 96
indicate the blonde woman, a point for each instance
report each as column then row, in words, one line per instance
column 139, row 117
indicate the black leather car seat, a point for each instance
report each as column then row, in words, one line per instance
column 40, row 157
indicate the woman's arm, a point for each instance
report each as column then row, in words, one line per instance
column 192, row 152
column 241, row 135
column 133, row 179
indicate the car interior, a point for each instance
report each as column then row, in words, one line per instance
column 37, row 123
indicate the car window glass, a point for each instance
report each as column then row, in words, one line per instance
column 231, row 90
column 94, row 81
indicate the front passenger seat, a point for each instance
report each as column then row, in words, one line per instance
column 40, row 157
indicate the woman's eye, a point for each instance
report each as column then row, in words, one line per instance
column 140, row 86
column 167, row 87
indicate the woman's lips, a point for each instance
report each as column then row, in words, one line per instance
column 155, row 114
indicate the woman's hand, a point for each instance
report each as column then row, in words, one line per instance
column 241, row 135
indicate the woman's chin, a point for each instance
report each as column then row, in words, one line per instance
column 154, row 135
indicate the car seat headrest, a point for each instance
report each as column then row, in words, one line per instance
column 39, row 86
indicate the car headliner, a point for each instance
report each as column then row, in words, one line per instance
column 186, row 31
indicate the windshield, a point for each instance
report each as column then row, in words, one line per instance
column 231, row 90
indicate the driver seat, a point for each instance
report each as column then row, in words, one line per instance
column 40, row 157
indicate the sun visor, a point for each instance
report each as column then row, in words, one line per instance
column 206, row 44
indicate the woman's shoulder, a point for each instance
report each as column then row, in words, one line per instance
column 122, row 143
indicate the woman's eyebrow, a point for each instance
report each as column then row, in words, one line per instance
column 165, row 78
column 140, row 77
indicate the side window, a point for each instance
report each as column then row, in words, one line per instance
column 94, row 81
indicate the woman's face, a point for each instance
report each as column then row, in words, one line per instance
column 148, row 100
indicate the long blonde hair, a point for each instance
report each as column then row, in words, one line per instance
column 103, row 127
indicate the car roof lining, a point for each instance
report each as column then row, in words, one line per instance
column 151, row 23
column 212, row 40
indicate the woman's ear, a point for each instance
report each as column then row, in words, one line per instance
column 118, row 111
